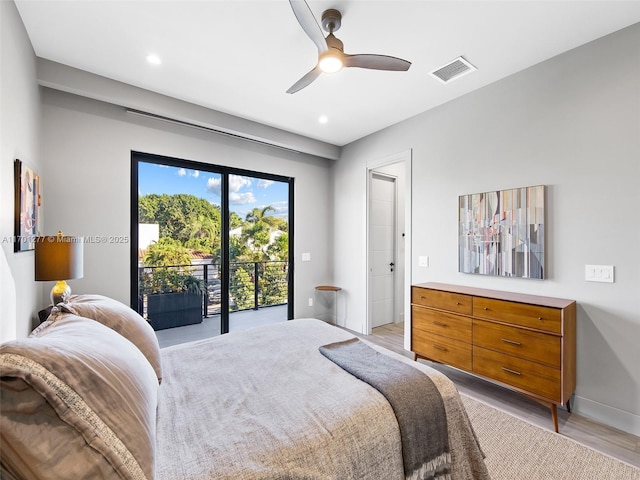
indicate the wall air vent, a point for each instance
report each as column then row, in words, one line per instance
column 454, row 69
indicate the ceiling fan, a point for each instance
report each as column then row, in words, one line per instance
column 331, row 56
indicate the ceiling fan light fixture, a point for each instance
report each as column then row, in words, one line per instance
column 330, row 62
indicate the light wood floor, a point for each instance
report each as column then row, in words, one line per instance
column 608, row 440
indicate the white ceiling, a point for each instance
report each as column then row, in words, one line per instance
column 240, row 56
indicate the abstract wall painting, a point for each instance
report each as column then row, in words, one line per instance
column 28, row 203
column 502, row 233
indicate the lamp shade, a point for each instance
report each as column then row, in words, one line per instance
column 59, row 258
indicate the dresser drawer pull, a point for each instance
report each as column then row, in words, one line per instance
column 540, row 318
column 513, row 372
column 512, row 342
column 486, row 309
column 438, row 347
column 458, row 303
column 439, row 324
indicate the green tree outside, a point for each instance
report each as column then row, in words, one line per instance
column 188, row 223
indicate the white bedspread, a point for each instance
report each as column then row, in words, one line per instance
column 265, row 404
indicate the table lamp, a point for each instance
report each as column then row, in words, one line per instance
column 59, row 258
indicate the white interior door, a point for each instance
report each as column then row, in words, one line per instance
column 382, row 249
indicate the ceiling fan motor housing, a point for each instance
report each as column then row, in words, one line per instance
column 331, row 20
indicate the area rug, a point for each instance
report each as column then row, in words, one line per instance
column 516, row 449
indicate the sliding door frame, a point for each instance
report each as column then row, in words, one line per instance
column 224, row 172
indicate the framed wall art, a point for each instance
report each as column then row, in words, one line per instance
column 28, row 203
column 502, row 233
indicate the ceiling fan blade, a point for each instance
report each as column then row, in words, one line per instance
column 376, row 62
column 309, row 24
column 306, row 80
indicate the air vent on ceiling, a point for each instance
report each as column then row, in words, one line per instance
column 452, row 70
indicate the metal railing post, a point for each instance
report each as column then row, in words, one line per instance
column 205, row 274
column 255, row 286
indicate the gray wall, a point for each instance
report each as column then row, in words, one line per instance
column 87, row 148
column 19, row 138
column 571, row 123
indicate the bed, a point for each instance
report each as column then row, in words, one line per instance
column 90, row 395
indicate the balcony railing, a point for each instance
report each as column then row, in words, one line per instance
column 252, row 285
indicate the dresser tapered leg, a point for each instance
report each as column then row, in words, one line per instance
column 568, row 406
column 554, row 415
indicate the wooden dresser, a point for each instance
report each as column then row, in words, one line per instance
column 524, row 342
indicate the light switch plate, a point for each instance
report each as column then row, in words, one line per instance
column 599, row 273
column 306, row 257
column 423, row 261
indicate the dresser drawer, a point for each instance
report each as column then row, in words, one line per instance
column 523, row 374
column 523, row 314
column 441, row 349
column 441, row 323
column 539, row 347
column 452, row 302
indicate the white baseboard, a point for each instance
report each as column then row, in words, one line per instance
column 608, row 415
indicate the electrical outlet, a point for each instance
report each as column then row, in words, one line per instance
column 423, row 261
column 310, row 302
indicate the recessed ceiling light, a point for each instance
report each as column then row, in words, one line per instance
column 323, row 119
column 154, row 59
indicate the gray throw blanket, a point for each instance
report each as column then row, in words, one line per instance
column 415, row 400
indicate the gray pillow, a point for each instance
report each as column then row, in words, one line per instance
column 122, row 319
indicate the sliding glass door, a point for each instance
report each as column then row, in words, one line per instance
column 258, row 247
column 211, row 246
